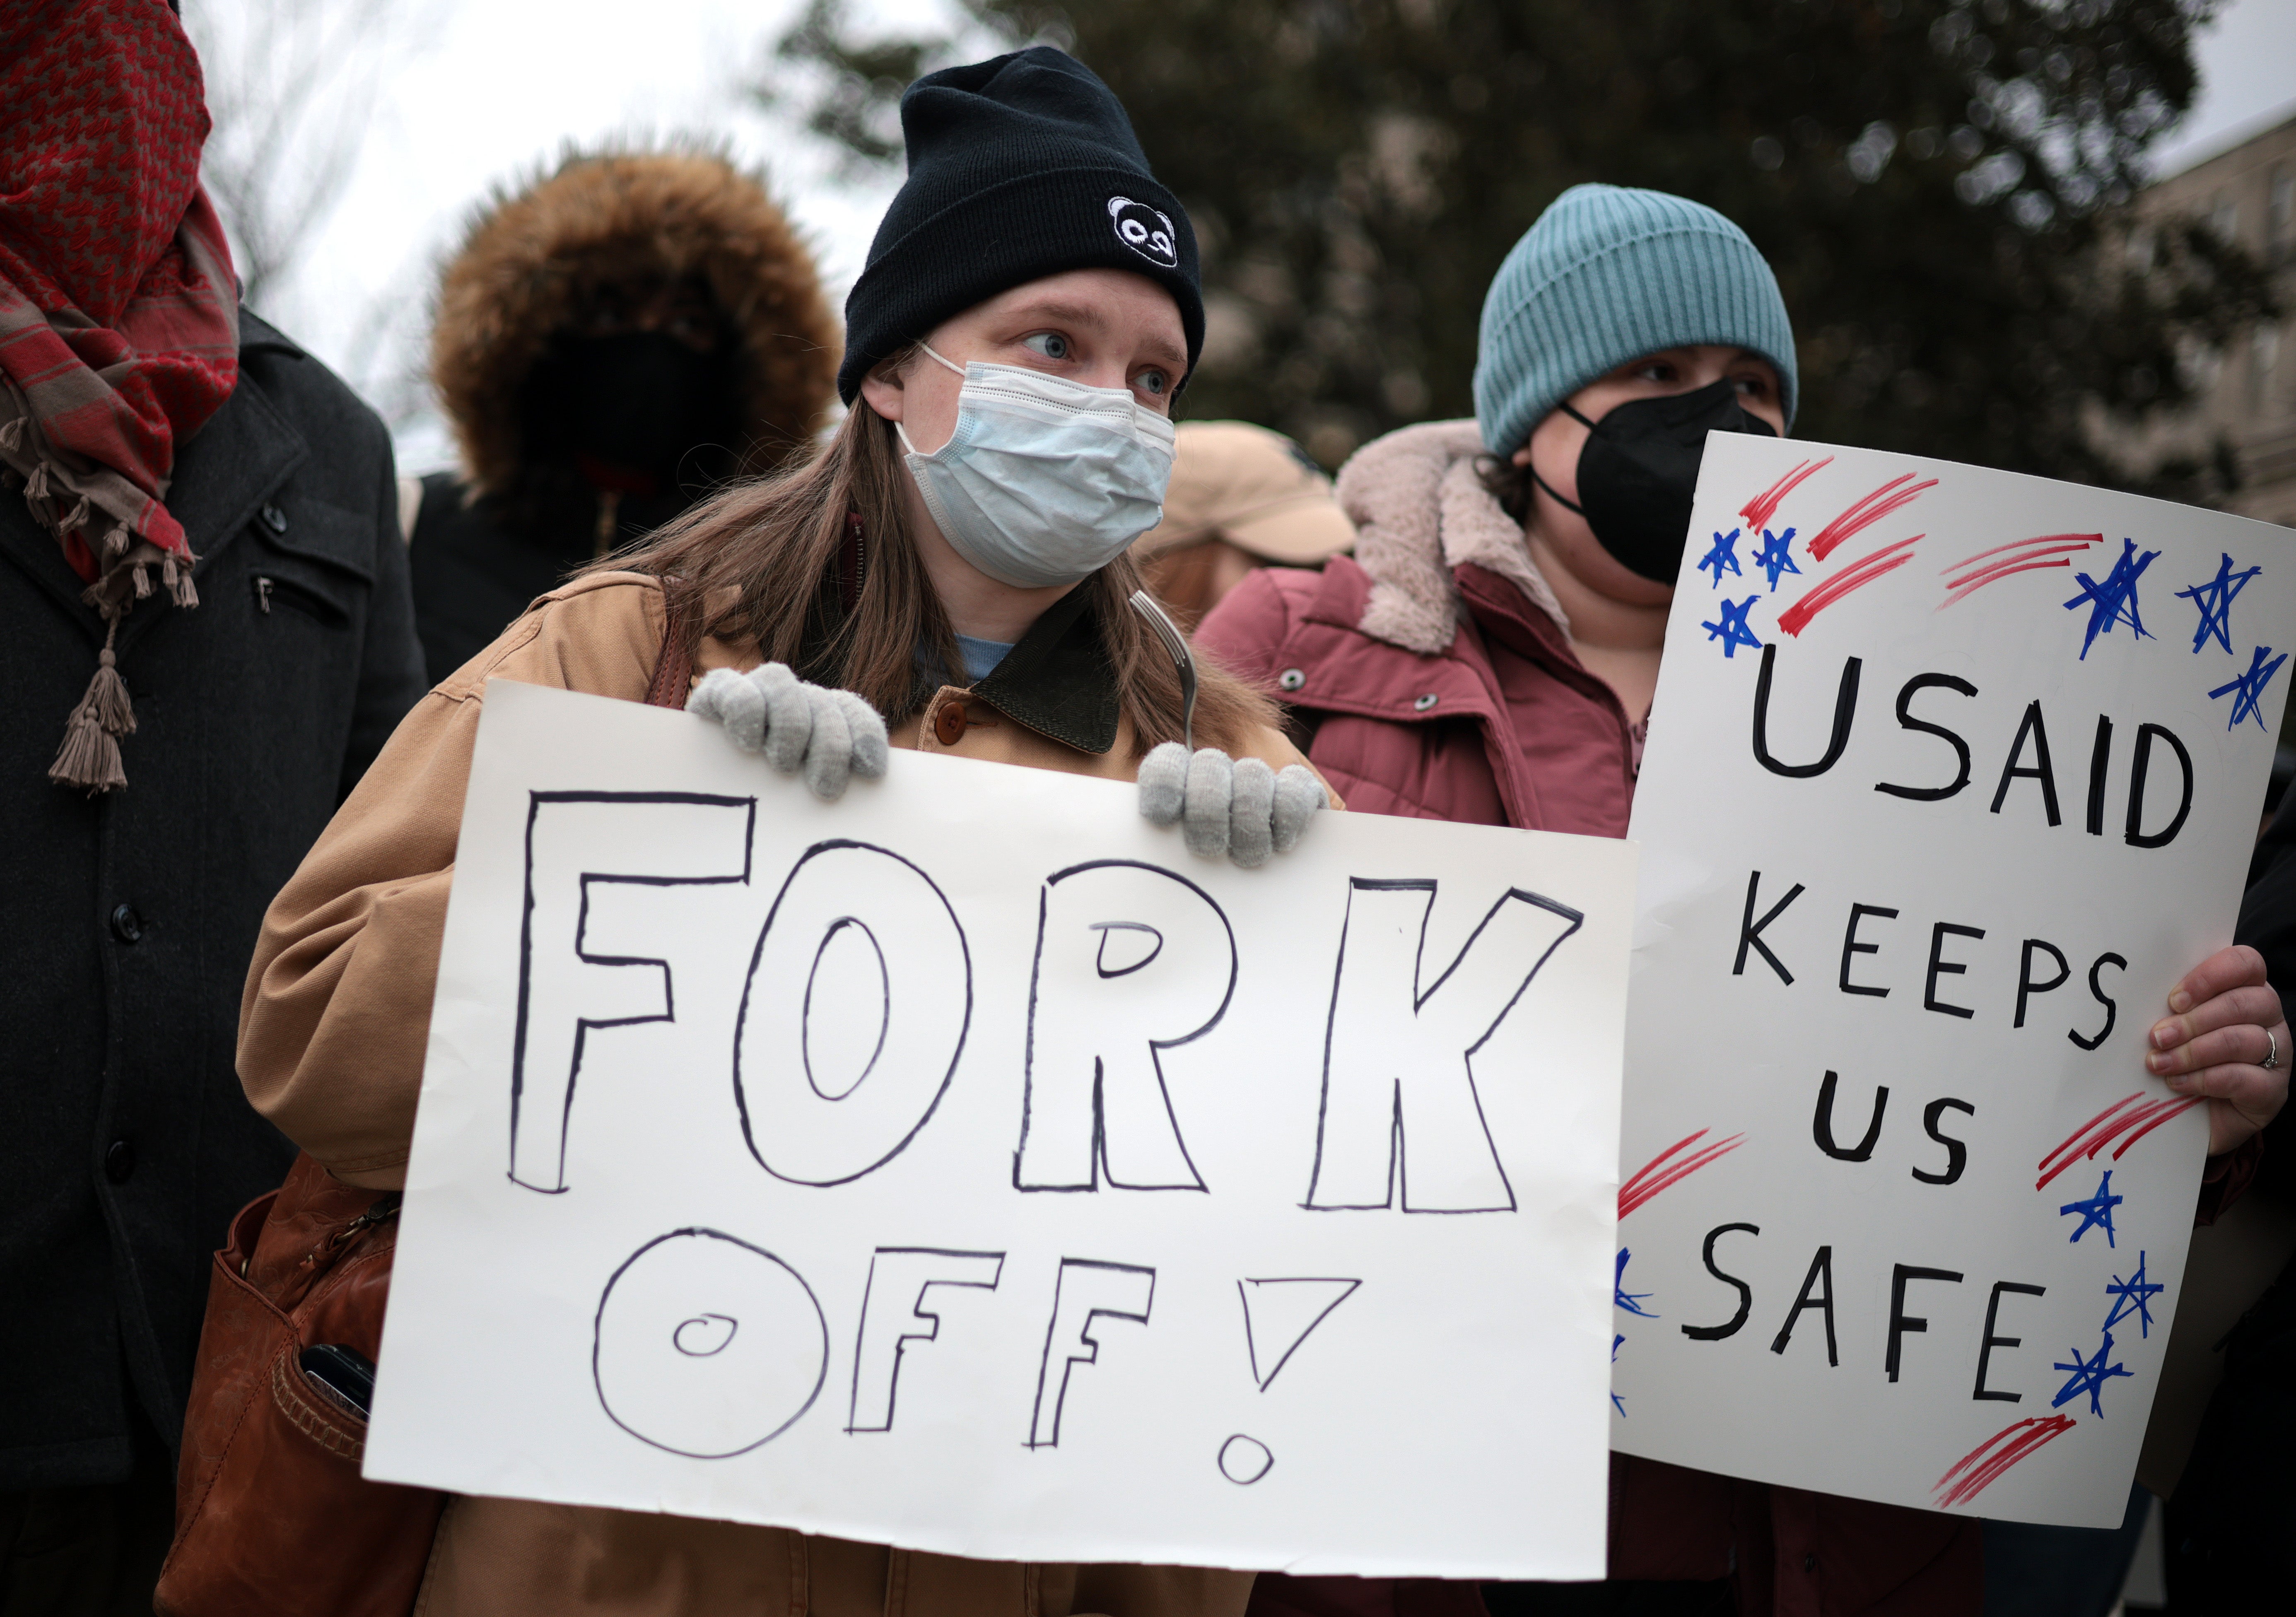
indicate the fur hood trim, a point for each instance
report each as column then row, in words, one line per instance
column 1420, row 511
column 531, row 252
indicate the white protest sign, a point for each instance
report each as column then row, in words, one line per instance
column 965, row 1166
column 1952, row 774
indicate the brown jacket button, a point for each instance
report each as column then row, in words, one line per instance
column 948, row 723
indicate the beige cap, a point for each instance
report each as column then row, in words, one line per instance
column 1253, row 487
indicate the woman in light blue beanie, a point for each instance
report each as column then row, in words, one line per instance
column 1605, row 276
column 1623, row 327
column 1488, row 655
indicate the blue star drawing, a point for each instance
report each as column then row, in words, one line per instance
column 2096, row 1213
column 2089, row 1376
column 1732, row 631
column 1632, row 1301
column 1777, row 557
column 2214, row 599
column 1616, row 1402
column 2135, row 1296
column 2246, row 692
column 2115, row 600
column 1723, row 554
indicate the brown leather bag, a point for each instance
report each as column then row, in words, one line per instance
column 272, row 1515
column 273, row 1518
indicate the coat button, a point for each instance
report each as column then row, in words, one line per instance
column 120, row 1161
column 948, row 723
column 1810, row 1564
column 1420, row 704
column 127, row 925
column 1291, row 679
column 273, row 518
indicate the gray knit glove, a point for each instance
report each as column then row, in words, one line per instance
column 829, row 734
column 1236, row 806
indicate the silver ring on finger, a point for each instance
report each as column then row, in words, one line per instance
column 2272, row 1051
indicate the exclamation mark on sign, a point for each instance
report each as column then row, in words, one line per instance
column 1278, row 1316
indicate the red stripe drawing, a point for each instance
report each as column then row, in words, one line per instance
column 2128, row 1119
column 2163, row 1111
column 1662, row 1171
column 1983, row 1466
column 1865, row 513
column 2021, row 556
column 1758, row 511
column 1855, row 576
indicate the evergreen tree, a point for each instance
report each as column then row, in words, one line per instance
column 1940, row 186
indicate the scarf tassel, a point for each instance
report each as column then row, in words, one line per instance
column 178, row 580
column 89, row 757
column 12, row 436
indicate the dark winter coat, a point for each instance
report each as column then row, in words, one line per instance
column 2229, row 1547
column 126, row 1142
column 475, row 569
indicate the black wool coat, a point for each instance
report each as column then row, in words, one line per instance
column 125, row 1142
column 476, row 570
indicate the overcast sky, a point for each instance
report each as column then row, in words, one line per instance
column 2248, row 74
column 490, row 87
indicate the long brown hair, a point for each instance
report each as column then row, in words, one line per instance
column 767, row 551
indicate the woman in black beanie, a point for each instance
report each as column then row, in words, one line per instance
column 953, row 560
column 1029, row 309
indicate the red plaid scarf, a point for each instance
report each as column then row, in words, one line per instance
column 119, row 311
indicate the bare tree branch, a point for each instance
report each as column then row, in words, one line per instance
column 292, row 85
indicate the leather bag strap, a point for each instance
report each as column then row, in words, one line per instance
column 673, row 670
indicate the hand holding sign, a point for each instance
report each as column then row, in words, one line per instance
column 2227, row 1038
column 1238, row 807
column 827, row 735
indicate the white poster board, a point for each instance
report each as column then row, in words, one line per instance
column 965, row 1167
column 1952, row 774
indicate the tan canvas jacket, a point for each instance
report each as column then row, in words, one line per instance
column 333, row 1029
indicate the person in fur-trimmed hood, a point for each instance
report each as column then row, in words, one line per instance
column 1489, row 654
column 613, row 340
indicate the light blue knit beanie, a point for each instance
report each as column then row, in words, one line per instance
column 1606, row 276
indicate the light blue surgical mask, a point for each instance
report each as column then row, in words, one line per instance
column 1045, row 480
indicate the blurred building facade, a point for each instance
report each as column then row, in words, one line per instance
column 2246, row 394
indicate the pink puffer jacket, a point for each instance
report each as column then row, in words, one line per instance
column 1436, row 675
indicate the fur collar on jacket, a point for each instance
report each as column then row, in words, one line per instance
column 600, row 217
column 1420, row 511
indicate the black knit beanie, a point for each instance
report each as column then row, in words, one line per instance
column 1020, row 167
